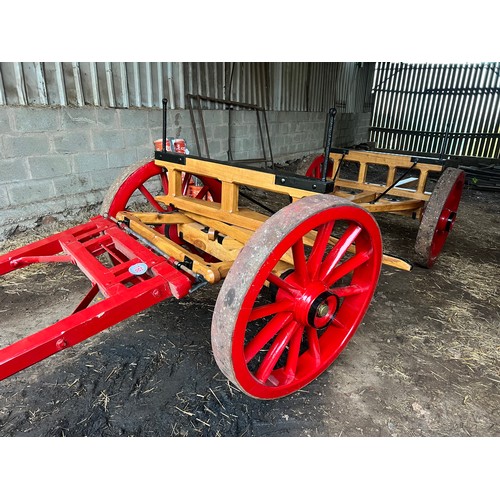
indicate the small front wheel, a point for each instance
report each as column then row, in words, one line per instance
column 141, row 182
column 144, row 180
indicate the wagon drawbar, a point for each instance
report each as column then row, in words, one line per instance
column 296, row 284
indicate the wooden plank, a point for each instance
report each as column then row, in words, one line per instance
column 389, row 159
column 229, row 197
column 235, row 175
column 192, row 233
column 174, row 181
column 245, row 218
column 393, row 206
column 375, row 188
column 157, row 218
column 392, row 162
column 363, row 167
column 240, row 234
column 362, row 197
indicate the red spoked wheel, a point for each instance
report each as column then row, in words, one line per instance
column 272, row 340
column 148, row 180
column 439, row 216
column 314, row 169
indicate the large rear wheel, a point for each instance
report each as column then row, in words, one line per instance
column 295, row 295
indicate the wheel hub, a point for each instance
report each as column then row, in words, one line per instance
column 446, row 220
column 322, row 310
column 316, row 307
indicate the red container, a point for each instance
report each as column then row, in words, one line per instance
column 180, row 146
column 159, row 145
column 176, row 145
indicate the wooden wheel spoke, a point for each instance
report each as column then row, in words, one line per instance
column 203, row 192
column 339, row 250
column 319, row 248
column 284, row 285
column 275, row 351
column 185, row 183
column 292, row 359
column 265, row 335
column 347, row 291
column 346, row 267
column 150, row 199
column 299, row 260
column 269, row 309
column 313, row 341
column 339, row 324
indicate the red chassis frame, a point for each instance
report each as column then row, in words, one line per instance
column 125, row 293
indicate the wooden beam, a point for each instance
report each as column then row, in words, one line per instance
column 157, row 218
column 229, row 197
column 245, row 218
column 170, row 248
column 236, row 175
column 393, row 206
column 377, row 188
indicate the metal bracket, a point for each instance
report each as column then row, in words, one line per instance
column 305, row 183
column 170, row 157
column 187, row 263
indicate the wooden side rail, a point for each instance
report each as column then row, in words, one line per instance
column 392, row 162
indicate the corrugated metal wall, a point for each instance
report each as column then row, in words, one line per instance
column 448, row 109
column 278, row 86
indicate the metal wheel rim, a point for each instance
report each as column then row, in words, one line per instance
column 439, row 216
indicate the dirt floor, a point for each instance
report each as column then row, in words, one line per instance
column 424, row 362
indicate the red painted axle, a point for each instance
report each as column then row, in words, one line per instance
column 125, row 293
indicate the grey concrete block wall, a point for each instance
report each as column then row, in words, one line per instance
column 61, row 160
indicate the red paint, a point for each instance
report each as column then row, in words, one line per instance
column 124, row 293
